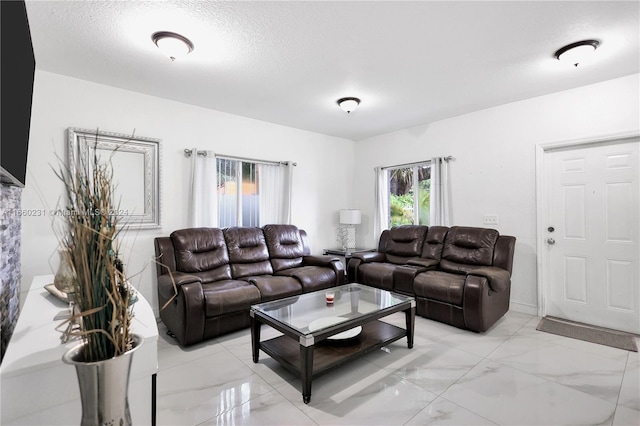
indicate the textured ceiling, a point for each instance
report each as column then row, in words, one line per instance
column 288, row 62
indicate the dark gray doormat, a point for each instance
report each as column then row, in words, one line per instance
column 589, row 333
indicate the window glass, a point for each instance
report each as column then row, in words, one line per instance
column 250, row 195
column 401, row 205
column 227, row 192
column 237, row 203
column 424, row 188
column 409, row 190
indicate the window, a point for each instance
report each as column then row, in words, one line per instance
column 233, row 191
column 416, row 193
column 238, row 204
column 409, row 194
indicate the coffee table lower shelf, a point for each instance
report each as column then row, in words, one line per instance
column 327, row 356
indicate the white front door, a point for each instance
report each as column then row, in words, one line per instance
column 591, row 234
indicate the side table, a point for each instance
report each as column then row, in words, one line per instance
column 345, row 254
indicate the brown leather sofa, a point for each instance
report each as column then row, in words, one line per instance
column 459, row 275
column 208, row 277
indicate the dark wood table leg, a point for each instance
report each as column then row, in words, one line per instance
column 255, row 338
column 154, row 390
column 306, row 371
column 410, row 315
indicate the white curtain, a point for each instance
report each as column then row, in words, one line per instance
column 203, row 211
column 440, row 209
column 288, row 192
column 381, row 216
column 274, row 189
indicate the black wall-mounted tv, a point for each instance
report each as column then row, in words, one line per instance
column 16, row 74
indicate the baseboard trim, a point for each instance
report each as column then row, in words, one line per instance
column 523, row 308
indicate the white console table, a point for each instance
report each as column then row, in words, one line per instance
column 37, row 388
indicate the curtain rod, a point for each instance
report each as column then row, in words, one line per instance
column 415, row 163
column 188, row 152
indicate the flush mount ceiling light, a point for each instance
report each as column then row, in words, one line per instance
column 577, row 53
column 348, row 104
column 172, row 44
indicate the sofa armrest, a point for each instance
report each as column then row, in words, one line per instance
column 341, row 273
column 482, row 305
column 359, row 258
column 189, row 314
column 499, row 279
column 369, row 256
column 319, row 260
column 181, row 300
column 328, row 262
column 168, row 284
column 352, row 269
column 403, row 277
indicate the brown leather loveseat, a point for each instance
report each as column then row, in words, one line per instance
column 459, row 275
column 208, row 277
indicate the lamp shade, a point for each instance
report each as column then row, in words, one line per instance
column 350, row 217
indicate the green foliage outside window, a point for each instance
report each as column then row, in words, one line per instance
column 401, row 207
column 401, row 196
column 425, row 201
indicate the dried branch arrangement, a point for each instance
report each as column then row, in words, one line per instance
column 101, row 292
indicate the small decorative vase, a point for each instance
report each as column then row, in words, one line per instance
column 104, row 386
column 64, row 277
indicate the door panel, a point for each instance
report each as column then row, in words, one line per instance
column 574, row 207
column 575, row 282
column 593, row 204
column 619, row 284
column 618, row 216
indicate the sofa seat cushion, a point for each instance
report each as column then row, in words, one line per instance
column 441, row 286
column 378, row 275
column 224, row 297
column 312, row 278
column 273, row 287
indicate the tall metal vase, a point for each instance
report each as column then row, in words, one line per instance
column 104, row 386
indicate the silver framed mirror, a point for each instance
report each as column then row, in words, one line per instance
column 135, row 161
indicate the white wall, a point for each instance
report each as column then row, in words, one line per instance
column 324, row 165
column 494, row 167
column 493, row 171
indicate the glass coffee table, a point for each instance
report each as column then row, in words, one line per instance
column 319, row 336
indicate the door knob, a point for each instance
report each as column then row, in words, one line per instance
column 551, row 241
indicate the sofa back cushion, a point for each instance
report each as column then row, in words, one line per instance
column 201, row 250
column 285, row 246
column 404, row 242
column 466, row 248
column 248, row 253
column 434, row 242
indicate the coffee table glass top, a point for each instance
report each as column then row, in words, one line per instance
column 351, row 301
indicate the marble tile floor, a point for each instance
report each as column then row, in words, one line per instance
column 511, row 375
